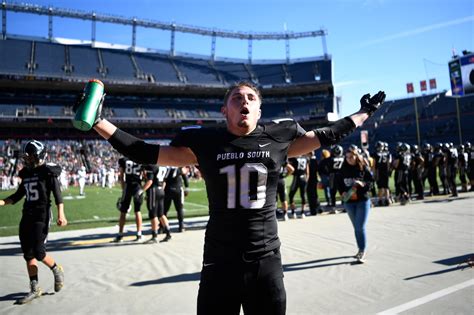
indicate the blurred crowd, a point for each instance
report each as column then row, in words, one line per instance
column 96, row 157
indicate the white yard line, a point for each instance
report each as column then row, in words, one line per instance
column 427, row 298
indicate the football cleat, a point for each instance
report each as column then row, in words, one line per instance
column 35, row 292
column 58, row 273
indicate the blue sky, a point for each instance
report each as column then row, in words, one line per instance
column 375, row 44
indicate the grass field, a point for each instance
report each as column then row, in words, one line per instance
column 97, row 207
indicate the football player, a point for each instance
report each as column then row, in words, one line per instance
column 312, row 187
column 299, row 182
column 285, row 170
column 38, row 181
column 335, row 164
column 155, row 190
column 240, row 165
column 383, row 160
column 175, row 191
column 130, row 177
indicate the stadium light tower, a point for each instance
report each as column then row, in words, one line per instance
column 50, row 24
column 4, row 20
column 172, row 27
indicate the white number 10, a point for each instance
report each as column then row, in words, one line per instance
column 246, row 200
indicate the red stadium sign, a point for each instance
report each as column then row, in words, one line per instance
column 432, row 84
column 410, row 88
column 423, row 85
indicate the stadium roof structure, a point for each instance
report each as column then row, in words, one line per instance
column 214, row 33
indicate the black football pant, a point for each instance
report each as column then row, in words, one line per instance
column 177, row 196
column 434, row 188
column 313, row 200
column 33, row 234
column 299, row 182
column 256, row 286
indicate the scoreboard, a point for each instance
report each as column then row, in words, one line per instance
column 461, row 75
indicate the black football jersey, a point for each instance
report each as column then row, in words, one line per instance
column 157, row 174
column 36, row 185
column 335, row 163
column 383, row 160
column 313, row 169
column 241, row 175
column 284, row 170
column 174, row 179
column 132, row 171
column 300, row 164
column 404, row 161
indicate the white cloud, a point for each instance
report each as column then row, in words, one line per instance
column 348, row 83
column 420, row 30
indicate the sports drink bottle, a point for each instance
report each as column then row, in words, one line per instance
column 350, row 195
column 87, row 110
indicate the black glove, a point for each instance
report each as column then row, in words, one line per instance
column 370, row 104
column 80, row 99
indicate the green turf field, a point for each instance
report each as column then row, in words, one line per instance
column 97, row 208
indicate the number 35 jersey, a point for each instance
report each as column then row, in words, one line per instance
column 241, row 175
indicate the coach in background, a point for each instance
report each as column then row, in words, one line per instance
column 38, row 181
column 354, row 181
column 240, row 164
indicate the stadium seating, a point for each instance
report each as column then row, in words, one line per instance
column 76, row 61
column 15, row 56
column 395, row 121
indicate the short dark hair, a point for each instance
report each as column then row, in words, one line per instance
column 240, row 84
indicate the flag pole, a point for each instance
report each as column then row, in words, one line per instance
column 459, row 119
column 416, row 119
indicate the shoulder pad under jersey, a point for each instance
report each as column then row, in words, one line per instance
column 53, row 169
column 190, row 135
column 22, row 172
column 283, row 130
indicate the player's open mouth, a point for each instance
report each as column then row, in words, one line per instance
column 244, row 111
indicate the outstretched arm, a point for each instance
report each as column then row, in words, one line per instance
column 314, row 139
column 142, row 152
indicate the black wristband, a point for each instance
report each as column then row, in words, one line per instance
column 336, row 132
column 134, row 148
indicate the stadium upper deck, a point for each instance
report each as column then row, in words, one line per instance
column 43, row 60
column 39, row 80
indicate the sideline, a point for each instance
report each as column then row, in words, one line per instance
column 427, row 298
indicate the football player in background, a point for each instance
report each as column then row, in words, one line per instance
column 130, row 177
column 155, row 195
column 240, row 165
column 299, row 182
column 335, row 164
column 81, row 175
column 383, row 160
column 38, row 181
column 285, row 170
column 175, row 190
